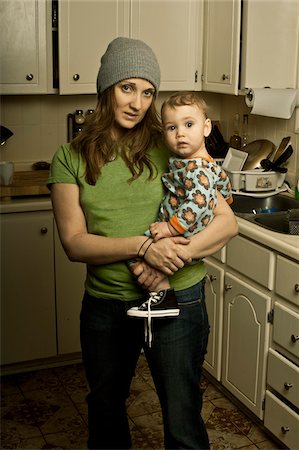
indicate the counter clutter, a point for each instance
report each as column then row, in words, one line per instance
column 31, row 182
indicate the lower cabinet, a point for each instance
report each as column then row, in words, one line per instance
column 28, row 315
column 41, row 290
column 245, row 342
column 214, row 302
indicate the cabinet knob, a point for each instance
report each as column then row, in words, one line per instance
column 285, row 429
column 296, row 288
column 228, row 287
column 213, row 278
column 294, row 338
column 288, row 386
column 44, row 230
column 225, row 77
column 29, row 77
column 76, row 77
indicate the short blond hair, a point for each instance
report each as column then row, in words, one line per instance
column 183, row 98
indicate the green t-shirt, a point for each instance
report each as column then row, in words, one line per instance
column 116, row 208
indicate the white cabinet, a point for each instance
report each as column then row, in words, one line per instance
column 41, row 290
column 170, row 27
column 28, row 323
column 222, row 23
column 24, row 37
column 250, row 44
column 85, row 29
column 214, row 303
column 270, row 43
column 245, row 342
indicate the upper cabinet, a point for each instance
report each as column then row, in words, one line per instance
column 23, row 51
column 250, row 43
column 169, row 27
column 221, row 46
column 85, row 29
column 270, row 52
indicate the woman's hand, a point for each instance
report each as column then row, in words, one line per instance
column 167, row 256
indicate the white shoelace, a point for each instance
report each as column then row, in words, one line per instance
column 153, row 298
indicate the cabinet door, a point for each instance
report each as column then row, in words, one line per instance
column 85, row 29
column 245, row 342
column 28, row 325
column 170, row 28
column 214, row 302
column 270, row 43
column 222, row 23
column 70, row 277
column 23, row 55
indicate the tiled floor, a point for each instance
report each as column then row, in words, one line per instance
column 46, row 409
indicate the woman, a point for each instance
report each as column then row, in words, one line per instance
column 106, row 190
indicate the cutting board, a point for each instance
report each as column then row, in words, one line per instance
column 32, row 182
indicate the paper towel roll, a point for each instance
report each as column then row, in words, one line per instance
column 269, row 102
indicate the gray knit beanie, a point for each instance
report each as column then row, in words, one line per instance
column 127, row 58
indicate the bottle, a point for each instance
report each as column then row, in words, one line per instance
column 245, row 131
column 235, row 140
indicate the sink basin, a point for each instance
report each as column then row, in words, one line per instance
column 275, row 222
column 256, row 205
column 257, row 209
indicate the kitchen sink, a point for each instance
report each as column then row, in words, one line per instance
column 256, row 205
column 268, row 212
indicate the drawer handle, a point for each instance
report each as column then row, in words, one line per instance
column 287, row 386
column 294, row 338
column 44, row 230
column 285, row 429
column 296, row 288
column 228, row 287
column 213, row 278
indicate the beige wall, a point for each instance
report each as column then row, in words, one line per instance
column 39, row 123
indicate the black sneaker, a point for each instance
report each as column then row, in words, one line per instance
column 159, row 304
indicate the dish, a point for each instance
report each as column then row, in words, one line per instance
column 234, row 159
column 257, row 151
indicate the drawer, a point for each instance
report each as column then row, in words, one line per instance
column 252, row 260
column 286, row 328
column 287, row 279
column 283, row 377
column 282, row 421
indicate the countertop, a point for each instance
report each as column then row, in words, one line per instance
column 282, row 243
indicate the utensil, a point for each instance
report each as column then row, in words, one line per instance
column 280, row 149
column 5, row 134
column 257, row 151
column 275, row 166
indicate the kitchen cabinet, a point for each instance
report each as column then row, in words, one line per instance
column 28, row 322
column 41, row 290
column 245, row 342
column 169, row 27
column 258, row 319
column 214, row 303
column 221, row 46
column 250, row 44
column 25, row 37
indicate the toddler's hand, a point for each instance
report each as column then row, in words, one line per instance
column 160, row 230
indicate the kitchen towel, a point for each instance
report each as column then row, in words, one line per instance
column 269, row 102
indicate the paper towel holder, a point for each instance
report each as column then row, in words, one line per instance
column 249, row 94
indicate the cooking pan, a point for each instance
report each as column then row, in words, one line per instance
column 257, row 151
column 5, row 134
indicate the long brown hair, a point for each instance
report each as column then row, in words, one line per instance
column 97, row 147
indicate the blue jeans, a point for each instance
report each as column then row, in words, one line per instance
column 111, row 344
